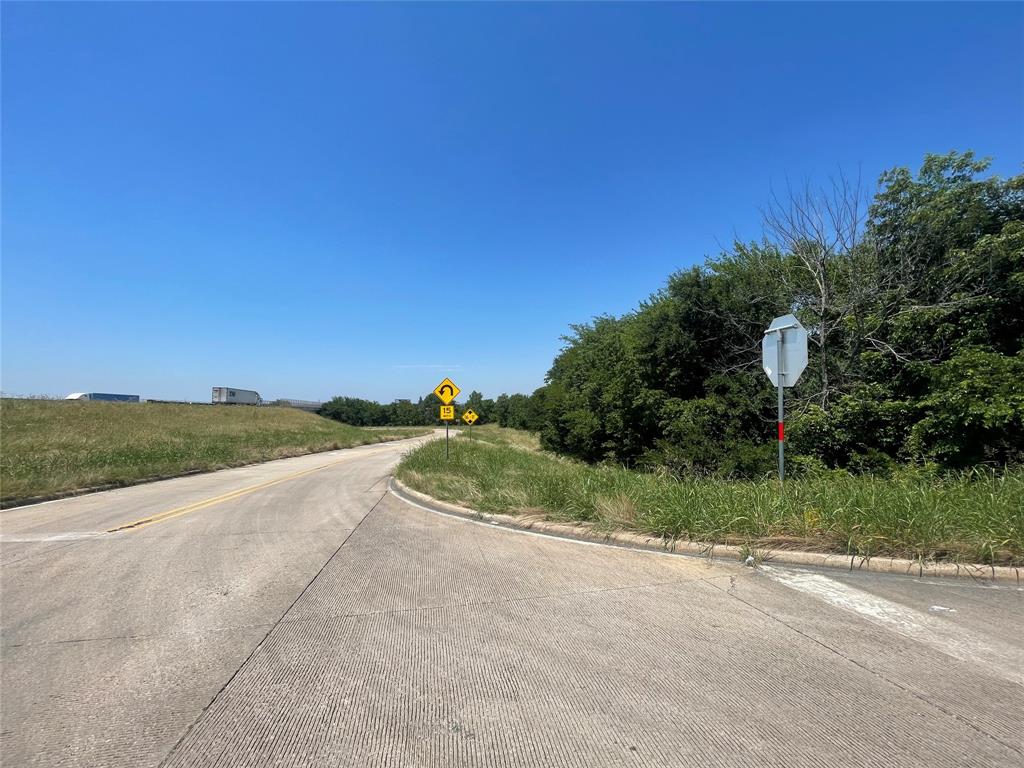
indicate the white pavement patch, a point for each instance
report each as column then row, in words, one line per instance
column 12, row 538
column 1000, row 659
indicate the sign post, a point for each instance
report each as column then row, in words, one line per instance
column 447, row 415
column 446, row 392
column 784, row 357
column 782, row 410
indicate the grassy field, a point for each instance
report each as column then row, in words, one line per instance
column 973, row 518
column 50, row 447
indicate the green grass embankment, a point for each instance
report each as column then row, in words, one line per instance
column 51, row 447
column 490, row 433
column 976, row 518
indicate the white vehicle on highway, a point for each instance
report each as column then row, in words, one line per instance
column 232, row 396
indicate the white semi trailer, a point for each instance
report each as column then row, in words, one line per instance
column 232, row 396
column 107, row 396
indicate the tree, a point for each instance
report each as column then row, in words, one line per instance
column 902, row 294
column 482, row 407
column 825, row 267
column 354, row 411
column 404, row 413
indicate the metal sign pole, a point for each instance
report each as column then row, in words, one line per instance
column 784, row 368
column 446, row 440
column 782, row 441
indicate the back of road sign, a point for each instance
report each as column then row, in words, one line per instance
column 794, row 350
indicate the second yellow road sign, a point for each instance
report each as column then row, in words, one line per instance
column 447, row 413
column 470, row 417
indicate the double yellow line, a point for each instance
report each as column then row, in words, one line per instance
column 178, row 512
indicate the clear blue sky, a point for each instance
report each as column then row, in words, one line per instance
column 321, row 199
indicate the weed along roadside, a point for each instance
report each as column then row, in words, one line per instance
column 965, row 519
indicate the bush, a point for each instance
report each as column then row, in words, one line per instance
column 975, row 412
column 864, row 431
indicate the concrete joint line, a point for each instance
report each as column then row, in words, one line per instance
column 270, row 631
column 625, row 539
column 147, row 636
column 923, row 699
column 510, row 601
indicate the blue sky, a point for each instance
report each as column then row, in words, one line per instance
column 321, row 199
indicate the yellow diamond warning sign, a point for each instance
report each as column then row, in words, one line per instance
column 470, row 417
column 446, row 391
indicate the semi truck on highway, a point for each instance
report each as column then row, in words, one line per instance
column 232, row 396
column 103, row 396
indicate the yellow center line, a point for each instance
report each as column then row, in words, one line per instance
column 196, row 506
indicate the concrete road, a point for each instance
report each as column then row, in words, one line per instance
column 297, row 614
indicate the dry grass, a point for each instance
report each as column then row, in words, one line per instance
column 49, row 447
column 615, row 511
column 492, row 433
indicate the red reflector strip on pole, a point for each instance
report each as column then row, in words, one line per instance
column 781, row 432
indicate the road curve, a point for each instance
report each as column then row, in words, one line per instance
column 294, row 613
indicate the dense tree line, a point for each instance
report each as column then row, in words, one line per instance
column 914, row 302
column 424, row 412
column 514, row 411
column 369, row 413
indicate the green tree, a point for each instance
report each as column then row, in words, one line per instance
column 483, row 407
column 914, row 303
column 354, row 411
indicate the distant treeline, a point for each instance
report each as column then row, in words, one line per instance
column 913, row 297
column 515, row 411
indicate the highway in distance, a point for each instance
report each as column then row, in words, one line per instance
column 297, row 613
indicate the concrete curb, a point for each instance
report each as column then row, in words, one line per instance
column 536, row 524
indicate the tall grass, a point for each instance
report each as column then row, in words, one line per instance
column 975, row 517
column 54, row 446
column 491, row 433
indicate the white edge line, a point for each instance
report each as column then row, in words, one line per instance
column 958, row 642
column 23, row 538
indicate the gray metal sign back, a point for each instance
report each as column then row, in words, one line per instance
column 784, row 357
column 793, row 360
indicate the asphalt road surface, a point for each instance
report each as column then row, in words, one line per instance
column 295, row 613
